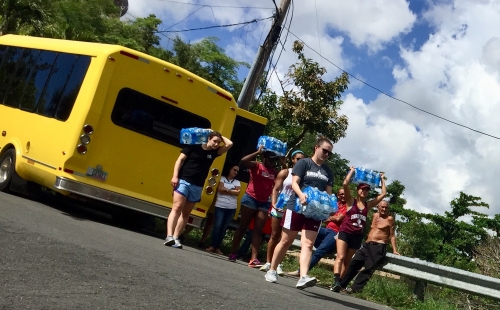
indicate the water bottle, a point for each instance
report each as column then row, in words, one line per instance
column 333, row 203
column 369, row 178
column 377, row 179
column 186, row 136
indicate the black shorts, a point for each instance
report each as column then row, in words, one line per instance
column 353, row 241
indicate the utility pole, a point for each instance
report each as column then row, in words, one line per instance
column 259, row 64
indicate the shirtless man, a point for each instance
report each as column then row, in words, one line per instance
column 373, row 251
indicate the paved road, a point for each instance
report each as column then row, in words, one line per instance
column 63, row 257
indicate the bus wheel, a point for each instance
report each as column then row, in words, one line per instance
column 7, row 166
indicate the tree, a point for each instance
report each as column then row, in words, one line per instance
column 487, row 256
column 208, row 60
column 309, row 103
column 24, row 16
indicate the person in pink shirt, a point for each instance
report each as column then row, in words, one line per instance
column 255, row 203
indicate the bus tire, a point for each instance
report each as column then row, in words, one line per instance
column 7, row 169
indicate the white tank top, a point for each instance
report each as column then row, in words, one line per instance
column 287, row 183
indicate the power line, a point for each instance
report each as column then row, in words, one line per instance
column 219, row 26
column 219, row 6
column 392, row 97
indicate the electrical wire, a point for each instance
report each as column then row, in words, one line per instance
column 219, row 26
column 392, row 97
column 219, row 6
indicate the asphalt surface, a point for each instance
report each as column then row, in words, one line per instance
column 55, row 256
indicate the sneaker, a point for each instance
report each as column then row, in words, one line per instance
column 169, row 241
column 347, row 291
column 295, row 273
column 232, row 257
column 177, row 244
column 254, row 263
column 336, row 287
column 279, row 270
column 271, row 276
column 266, row 267
column 306, row 281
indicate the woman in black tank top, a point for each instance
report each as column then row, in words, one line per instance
column 351, row 231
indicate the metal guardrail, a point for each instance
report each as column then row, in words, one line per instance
column 458, row 279
column 425, row 272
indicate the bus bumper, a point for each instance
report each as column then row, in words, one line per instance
column 100, row 194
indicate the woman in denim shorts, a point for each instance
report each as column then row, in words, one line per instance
column 255, row 203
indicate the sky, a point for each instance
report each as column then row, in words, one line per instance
column 441, row 56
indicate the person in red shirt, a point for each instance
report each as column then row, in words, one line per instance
column 326, row 239
column 255, row 203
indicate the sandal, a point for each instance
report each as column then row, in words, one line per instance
column 210, row 249
column 218, row 251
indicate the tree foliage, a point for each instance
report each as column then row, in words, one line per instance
column 309, row 103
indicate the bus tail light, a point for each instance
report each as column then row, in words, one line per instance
column 88, row 129
column 84, row 139
column 212, row 181
column 82, row 149
column 209, row 190
column 215, row 172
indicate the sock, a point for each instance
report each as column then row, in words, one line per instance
column 337, row 277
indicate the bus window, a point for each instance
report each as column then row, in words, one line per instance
column 245, row 135
column 63, row 86
column 14, row 66
column 152, row 117
column 20, row 78
column 37, row 80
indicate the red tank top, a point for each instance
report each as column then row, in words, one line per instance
column 355, row 219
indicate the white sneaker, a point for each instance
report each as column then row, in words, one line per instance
column 169, row 241
column 271, row 276
column 306, row 281
column 266, row 267
column 279, row 270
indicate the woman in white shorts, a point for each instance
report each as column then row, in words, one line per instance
column 283, row 183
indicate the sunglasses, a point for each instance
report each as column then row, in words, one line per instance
column 326, row 152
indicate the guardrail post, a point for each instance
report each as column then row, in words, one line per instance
column 419, row 290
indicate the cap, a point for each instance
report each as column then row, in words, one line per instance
column 363, row 185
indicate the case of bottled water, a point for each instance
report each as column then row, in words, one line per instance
column 367, row 176
column 194, row 135
column 282, row 201
column 273, row 145
column 319, row 204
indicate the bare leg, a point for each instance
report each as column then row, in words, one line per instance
column 275, row 238
column 175, row 213
column 307, row 238
column 287, row 238
column 184, row 218
column 347, row 261
column 246, row 217
column 260, row 221
column 341, row 254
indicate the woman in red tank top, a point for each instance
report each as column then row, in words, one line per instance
column 351, row 231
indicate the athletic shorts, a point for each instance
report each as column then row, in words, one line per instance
column 298, row 222
column 252, row 203
column 190, row 191
column 353, row 241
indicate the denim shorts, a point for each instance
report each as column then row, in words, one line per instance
column 251, row 203
column 190, row 191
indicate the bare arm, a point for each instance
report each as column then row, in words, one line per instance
column 248, row 160
column 227, row 145
column 296, row 189
column 223, row 190
column 393, row 237
column 177, row 167
column 372, row 203
column 347, row 191
column 335, row 218
column 278, row 186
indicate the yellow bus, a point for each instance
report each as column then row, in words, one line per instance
column 102, row 121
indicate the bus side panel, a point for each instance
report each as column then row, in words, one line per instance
column 135, row 163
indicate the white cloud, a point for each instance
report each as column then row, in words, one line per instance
column 455, row 74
